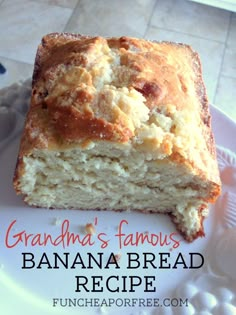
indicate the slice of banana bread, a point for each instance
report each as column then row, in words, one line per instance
column 117, row 124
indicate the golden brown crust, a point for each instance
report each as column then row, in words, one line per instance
column 144, row 66
column 150, row 68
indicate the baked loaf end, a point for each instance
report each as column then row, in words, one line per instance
column 119, row 124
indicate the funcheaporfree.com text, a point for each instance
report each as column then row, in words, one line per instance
column 120, row 302
column 100, row 261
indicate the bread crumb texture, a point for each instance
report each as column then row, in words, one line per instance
column 90, row 229
column 121, row 123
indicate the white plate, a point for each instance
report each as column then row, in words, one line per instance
column 210, row 288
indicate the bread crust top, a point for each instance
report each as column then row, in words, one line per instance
column 129, row 91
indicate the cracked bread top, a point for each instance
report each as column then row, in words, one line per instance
column 133, row 93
